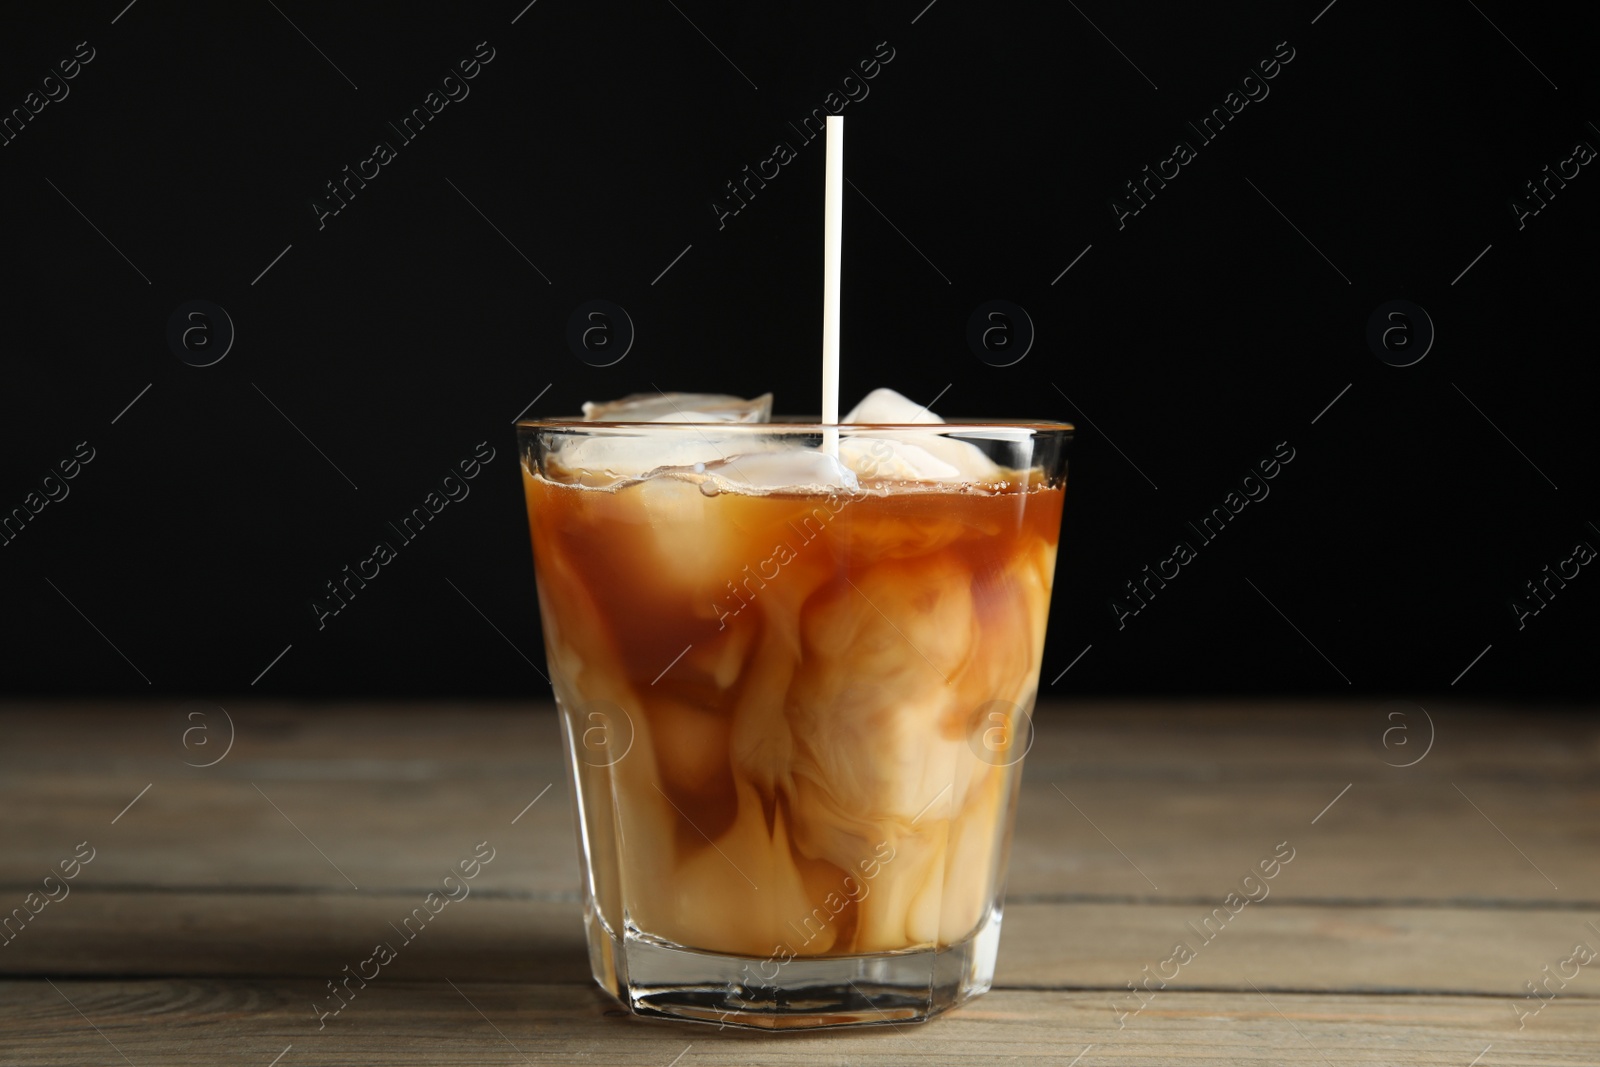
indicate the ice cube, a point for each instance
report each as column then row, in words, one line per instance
column 600, row 460
column 888, row 406
column 881, row 458
column 605, row 458
column 680, row 407
column 913, row 455
column 738, row 462
column 788, row 469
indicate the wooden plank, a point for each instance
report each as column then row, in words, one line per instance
column 1401, row 890
column 1487, row 951
column 1150, row 816
column 302, row 935
column 1054, row 945
column 181, row 1022
column 1415, row 841
column 1196, row 740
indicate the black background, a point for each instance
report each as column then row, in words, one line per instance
column 407, row 329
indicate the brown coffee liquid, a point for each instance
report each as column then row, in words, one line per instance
column 795, row 719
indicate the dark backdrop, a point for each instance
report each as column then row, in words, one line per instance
column 376, row 347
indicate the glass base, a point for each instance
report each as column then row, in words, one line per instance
column 656, row 978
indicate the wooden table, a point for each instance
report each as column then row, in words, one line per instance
column 1418, row 903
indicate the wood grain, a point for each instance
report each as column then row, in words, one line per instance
column 1419, row 902
column 206, row 1022
column 1118, row 803
column 1486, row 951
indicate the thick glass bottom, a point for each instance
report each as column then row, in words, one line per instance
column 656, row 978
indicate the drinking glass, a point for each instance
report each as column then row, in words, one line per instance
column 795, row 716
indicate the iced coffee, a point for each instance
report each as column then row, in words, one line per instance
column 796, row 674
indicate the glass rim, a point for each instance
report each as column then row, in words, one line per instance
column 797, row 425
